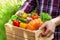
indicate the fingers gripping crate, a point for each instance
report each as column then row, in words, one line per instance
column 15, row 33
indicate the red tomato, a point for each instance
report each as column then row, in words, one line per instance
column 16, row 23
column 34, row 16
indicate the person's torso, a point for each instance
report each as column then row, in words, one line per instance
column 50, row 6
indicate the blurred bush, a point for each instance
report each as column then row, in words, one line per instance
column 7, row 9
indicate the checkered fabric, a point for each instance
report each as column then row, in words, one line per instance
column 49, row 6
column 57, row 33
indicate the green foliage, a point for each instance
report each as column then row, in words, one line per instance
column 7, row 9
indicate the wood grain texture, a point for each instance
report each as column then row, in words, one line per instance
column 17, row 33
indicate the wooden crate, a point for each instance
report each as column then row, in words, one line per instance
column 16, row 33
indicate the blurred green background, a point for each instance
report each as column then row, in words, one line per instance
column 7, row 9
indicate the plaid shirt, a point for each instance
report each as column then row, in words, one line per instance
column 50, row 6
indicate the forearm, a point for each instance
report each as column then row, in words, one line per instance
column 56, row 20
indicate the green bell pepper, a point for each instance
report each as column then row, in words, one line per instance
column 14, row 17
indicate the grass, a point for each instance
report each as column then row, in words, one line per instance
column 7, row 9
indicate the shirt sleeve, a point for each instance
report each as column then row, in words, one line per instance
column 29, row 6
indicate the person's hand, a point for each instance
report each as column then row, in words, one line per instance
column 48, row 28
column 18, row 13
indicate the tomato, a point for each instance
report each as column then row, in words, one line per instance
column 16, row 23
column 34, row 16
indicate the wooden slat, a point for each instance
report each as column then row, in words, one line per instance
column 29, row 33
column 9, row 28
column 19, row 38
column 16, row 33
column 37, row 33
column 10, row 37
column 20, row 32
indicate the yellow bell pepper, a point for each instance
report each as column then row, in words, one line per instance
column 24, row 15
column 23, row 25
